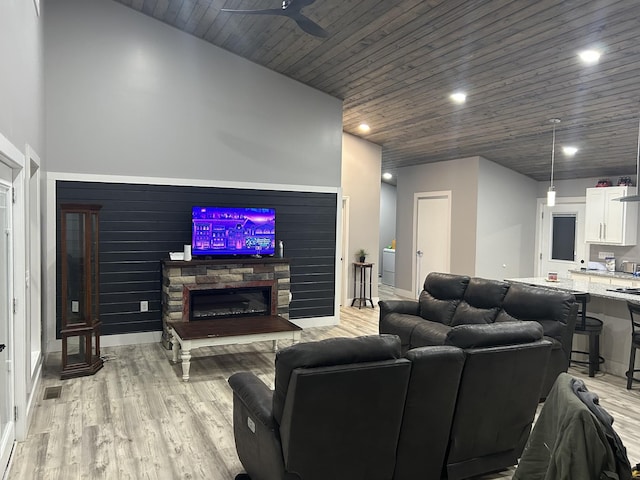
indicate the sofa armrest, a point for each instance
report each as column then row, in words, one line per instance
column 255, row 395
column 408, row 307
column 256, row 433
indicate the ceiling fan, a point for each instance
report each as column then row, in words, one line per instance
column 293, row 10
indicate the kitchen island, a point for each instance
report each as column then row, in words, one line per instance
column 607, row 305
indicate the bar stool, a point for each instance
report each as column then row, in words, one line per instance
column 592, row 327
column 635, row 343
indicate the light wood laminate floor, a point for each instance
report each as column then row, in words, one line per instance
column 136, row 419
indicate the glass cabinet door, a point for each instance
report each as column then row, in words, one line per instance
column 93, row 268
column 74, row 273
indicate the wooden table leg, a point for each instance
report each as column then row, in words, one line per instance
column 174, row 346
column 186, row 364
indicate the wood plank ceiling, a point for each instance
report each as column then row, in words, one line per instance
column 395, row 63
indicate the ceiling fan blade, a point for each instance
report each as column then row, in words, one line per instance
column 309, row 26
column 292, row 11
column 270, row 11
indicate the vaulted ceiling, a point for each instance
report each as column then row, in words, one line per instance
column 395, row 63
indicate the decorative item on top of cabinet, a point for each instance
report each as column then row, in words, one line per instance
column 79, row 296
column 611, row 222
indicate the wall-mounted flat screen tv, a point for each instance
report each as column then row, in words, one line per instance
column 233, row 231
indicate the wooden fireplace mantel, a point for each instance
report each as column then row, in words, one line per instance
column 225, row 261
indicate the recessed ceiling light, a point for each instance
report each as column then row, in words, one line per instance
column 363, row 127
column 458, row 97
column 387, row 176
column 569, row 151
column 589, row 57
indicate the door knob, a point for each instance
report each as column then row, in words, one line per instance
column 2, row 346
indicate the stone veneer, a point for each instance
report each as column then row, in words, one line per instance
column 220, row 273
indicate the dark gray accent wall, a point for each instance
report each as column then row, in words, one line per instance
column 140, row 224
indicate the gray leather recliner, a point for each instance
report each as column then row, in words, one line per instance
column 335, row 412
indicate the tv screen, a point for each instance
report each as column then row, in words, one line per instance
column 233, row 231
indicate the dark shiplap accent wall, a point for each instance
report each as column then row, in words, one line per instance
column 140, row 224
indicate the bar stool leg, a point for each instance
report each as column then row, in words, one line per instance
column 632, row 366
column 594, row 341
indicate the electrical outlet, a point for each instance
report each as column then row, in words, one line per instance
column 75, row 306
column 604, row 255
column 144, row 306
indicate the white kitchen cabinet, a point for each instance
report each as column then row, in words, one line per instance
column 622, row 282
column 606, row 279
column 608, row 221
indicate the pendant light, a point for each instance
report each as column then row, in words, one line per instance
column 551, row 194
column 635, row 198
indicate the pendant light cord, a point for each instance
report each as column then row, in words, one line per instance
column 553, row 151
column 554, row 121
column 638, row 157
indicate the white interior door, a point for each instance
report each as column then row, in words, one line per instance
column 433, row 235
column 562, row 239
column 7, row 425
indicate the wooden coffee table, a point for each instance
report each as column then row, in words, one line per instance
column 185, row 336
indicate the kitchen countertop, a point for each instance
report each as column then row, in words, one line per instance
column 581, row 285
column 604, row 273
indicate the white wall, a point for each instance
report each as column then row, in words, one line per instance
column 505, row 234
column 361, row 171
column 21, row 81
column 388, row 196
column 570, row 188
column 460, row 176
column 493, row 218
column 129, row 95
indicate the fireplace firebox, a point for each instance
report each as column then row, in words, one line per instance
column 229, row 302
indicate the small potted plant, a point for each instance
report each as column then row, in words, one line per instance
column 361, row 255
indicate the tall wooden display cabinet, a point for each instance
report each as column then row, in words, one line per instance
column 80, row 316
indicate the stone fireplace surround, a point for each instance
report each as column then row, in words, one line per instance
column 179, row 277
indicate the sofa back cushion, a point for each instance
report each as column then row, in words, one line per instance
column 481, row 302
column 494, row 335
column 550, row 308
column 428, row 411
column 441, row 295
column 325, row 353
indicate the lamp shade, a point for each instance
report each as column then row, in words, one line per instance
column 551, row 197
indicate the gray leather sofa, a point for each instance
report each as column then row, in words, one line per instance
column 336, row 410
column 348, row 408
column 450, row 300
